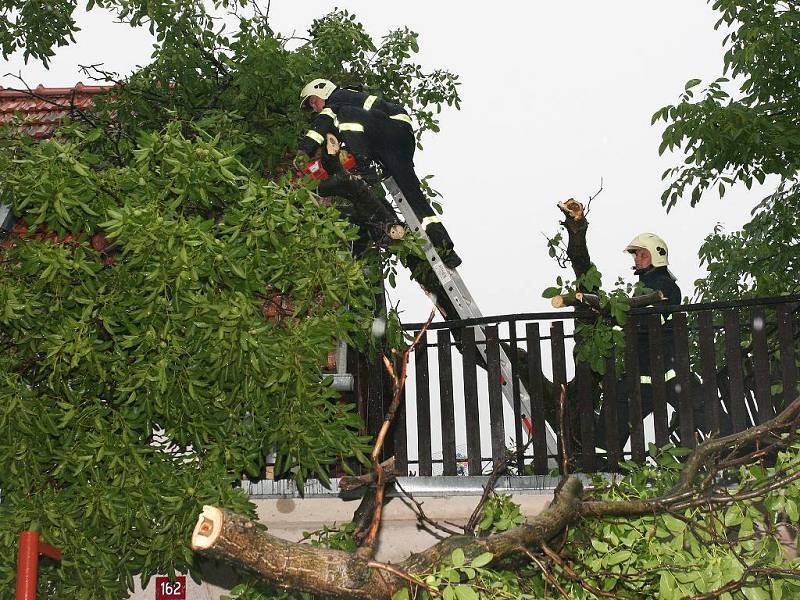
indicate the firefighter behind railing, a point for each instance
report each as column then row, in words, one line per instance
column 650, row 264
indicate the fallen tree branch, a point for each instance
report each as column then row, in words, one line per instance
column 545, row 573
column 570, row 572
column 367, row 549
column 351, row 483
column 235, row 538
column 681, row 495
column 226, row 535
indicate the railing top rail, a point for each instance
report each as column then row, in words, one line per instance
column 570, row 314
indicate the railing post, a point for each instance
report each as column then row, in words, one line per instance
column 424, row 457
column 494, row 375
column 471, row 413
column 609, row 412
column 401, row 438
column 447, row 411
column 758, row 323
column 559, row 379
column 733, row 359
column 686, row 402
column 708, row 366
column 583, row 381
column 536, row 385
column 515, row 392
column 657, row 385
column 786, row 341
column 634, row 388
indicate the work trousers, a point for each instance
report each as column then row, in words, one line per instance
column 622, row 406
column 393, row 147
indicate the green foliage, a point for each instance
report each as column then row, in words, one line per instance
column 461, row 579
column 135, row 392
column 335, row 537
column 749, row 134
column 756, row 261
column 739, row 129
column 599, row 332
column 692, row 551
column 144, row 365
column 254, row 591
column 686, row 553
column 499, row 513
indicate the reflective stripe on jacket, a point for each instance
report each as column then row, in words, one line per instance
column 344, row 97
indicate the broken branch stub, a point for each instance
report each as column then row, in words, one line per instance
column 235, row 538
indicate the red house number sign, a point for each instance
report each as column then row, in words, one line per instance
column 171, row 590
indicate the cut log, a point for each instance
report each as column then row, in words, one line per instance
column 592, row 300
column 301, row 567
column 235, row 538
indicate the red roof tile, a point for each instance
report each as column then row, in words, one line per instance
column 43, row 108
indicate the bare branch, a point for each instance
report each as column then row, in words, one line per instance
column 398, row 382
column 423, row 518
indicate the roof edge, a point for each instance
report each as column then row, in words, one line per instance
column 41, row 90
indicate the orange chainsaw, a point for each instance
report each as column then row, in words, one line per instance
column 315, row 170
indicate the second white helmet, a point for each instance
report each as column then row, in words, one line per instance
column 322, row 88
column 659, row 253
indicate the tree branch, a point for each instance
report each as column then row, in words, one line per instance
column 398, row 382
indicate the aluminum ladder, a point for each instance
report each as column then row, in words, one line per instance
column 459, row 295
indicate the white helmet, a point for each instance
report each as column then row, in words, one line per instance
column 319, row 87
column 652, row 243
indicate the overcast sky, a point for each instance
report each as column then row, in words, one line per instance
column 555, row 97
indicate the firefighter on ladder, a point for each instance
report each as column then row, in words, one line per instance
column 373, row 129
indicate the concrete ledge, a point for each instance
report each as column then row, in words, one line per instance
column 418, row 486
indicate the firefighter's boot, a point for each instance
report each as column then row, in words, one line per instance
column 441, row 240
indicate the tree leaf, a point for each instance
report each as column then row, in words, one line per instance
column 482, row 560
column 457, row 557
column 617, row 557
column 401, row 594
column 464, row 592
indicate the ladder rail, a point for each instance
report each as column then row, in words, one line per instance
column 462, row 299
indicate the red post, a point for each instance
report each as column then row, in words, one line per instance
column 28, row 563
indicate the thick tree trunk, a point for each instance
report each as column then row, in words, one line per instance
column 227, row 535
column 237, row 539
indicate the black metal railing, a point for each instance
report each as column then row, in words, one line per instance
column 686, row 371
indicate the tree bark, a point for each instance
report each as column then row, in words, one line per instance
column 232, row 537
column 593, row 301
column 576, row 225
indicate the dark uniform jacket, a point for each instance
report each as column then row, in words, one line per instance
column 355, row 105
column 344, row 97
column 374, row 135
column 658, row 279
